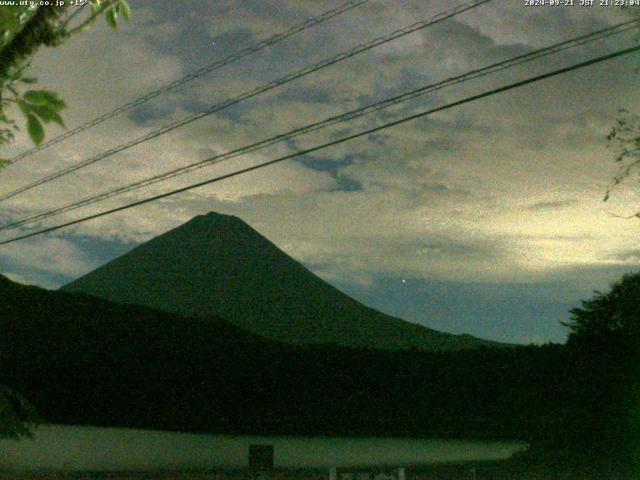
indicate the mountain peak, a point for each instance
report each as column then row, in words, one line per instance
column 214, row 217
column 217, row 216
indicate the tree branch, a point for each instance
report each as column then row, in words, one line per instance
column 106, row 6
column 39, row 30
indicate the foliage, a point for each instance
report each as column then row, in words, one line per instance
column 624, row 138
column 611, row 315
column 624, row 141
column 605, row 339
column 17, row 415
column 23, row 30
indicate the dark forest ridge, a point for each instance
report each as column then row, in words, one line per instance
column 217, row 265
column 83, row 360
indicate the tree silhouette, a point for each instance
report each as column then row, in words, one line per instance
column 605, row 342
column 614, row 315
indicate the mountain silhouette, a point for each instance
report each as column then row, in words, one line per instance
column 217, row 265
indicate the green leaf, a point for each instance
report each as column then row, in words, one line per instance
column 42, row 111
column 4, row 162
column 96, row 7
column 36, row 96
column 5, row 36
column 29, row 80
column 56, row 118
column 25, row 108
column 47, row 115
column 44, row 97
column 35, row 129
column 125, row 9
column 56, row 103
column 111, row 17
column 9, row 17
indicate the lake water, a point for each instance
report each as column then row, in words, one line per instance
column 56, row 447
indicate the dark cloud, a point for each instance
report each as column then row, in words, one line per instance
column 627, row 256
column 151, row 113
column 330, row 166
column 550, row 205
column 305, row 94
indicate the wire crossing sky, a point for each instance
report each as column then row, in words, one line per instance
column 268, row 42
column 403, row 120
column 344, row 117
column 417, row 26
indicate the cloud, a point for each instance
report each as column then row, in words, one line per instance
column 630, row 257
column 46, row 263
column 550, row 205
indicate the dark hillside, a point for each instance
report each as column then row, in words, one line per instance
column 85, row 360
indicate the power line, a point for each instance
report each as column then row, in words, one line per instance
column 268, row 42
column 332, row 143
column 344, row 117
column 252, row 93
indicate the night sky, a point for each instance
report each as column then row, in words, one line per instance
column 486, row 219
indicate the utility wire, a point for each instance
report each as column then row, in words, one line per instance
column 252, row 93
column 415, row 116
column 344, row 117
column 268, row 42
